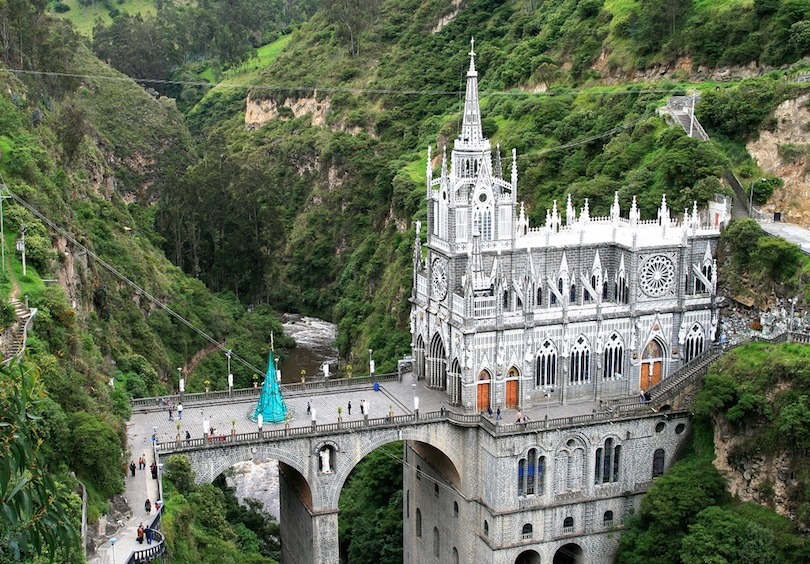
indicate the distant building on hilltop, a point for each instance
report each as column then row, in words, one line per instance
column 506, row 314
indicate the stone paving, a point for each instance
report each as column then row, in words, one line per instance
column 395, row 396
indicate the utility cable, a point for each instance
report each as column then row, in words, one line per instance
column 335, row 90
column 151, row 297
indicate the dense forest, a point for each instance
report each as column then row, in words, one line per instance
column 131, row 136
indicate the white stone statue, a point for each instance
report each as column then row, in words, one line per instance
column 326, row 467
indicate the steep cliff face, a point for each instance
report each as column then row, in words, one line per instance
column 260, row 111
column 764, row 479
column 784, row 153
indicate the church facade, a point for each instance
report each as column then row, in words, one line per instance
column 509, row 315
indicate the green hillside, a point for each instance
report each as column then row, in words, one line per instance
column 310, row 206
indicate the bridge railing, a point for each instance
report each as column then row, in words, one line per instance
column 633, row 411
column 153, row 551
column 161, row 402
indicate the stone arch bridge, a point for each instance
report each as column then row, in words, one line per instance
column 465, row 475
column 469, row 458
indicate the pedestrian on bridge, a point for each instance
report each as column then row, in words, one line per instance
column 179, row 410
column 147, row 505
column 132, row 467
column 309, row 409
column 350, row 407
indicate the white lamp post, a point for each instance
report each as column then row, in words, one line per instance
column 112, row 544
column 228, row 354
column 370, row 363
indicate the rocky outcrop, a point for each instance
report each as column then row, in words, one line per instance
column 764, row 479
column 783, row 152
column 260, row 111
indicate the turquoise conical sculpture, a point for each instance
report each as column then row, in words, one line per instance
column 271, row 404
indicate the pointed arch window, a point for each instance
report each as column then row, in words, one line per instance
column 613, row 361
column 418, row 524
column 695, row 341
column 580, row 361
column 436, row 542
column 538, row 298
column 605, row 290
column 560, row 289
column 546, row 373
column 572, row 298
column 622, row 291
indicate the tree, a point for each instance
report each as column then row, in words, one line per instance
column 354, row 16
column 670, row 506
column 34, row 519
column 371, row 509
column 179, row 472
column 96, row 453
column 720, row 536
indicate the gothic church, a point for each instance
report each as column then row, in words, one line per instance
column 505, row 314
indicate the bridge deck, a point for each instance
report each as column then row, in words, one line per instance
column 392, row 396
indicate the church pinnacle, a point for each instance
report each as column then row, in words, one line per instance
column 471, row 134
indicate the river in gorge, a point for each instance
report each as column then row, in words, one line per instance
column 314, row 338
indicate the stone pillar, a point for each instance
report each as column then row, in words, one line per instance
column 325, row 537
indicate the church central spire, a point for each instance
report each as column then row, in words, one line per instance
column 471, row 133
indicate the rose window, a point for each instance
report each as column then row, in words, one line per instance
column 657, row 276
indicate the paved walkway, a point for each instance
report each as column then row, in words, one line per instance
column 138, row 489
column 396, row 396
column 788, row 231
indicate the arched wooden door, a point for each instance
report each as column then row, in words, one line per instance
column 512, row 389
column 652, row 365
column 483, row 391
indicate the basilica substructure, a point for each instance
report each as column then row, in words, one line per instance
column 509, row 315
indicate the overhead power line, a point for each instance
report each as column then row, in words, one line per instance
column 142, row 291
column 335, row 89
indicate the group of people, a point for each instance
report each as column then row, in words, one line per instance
column 363, row 407
column 497, row 412
column 144, row 532
column 170, row 408
column 142, row 466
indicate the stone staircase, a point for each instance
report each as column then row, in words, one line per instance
column 680, row 109
column 17, row 334
column 678, row 389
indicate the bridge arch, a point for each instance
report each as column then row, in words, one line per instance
column 371, row 442
column 528, row 557
column 570, row 553
column 209, row 467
